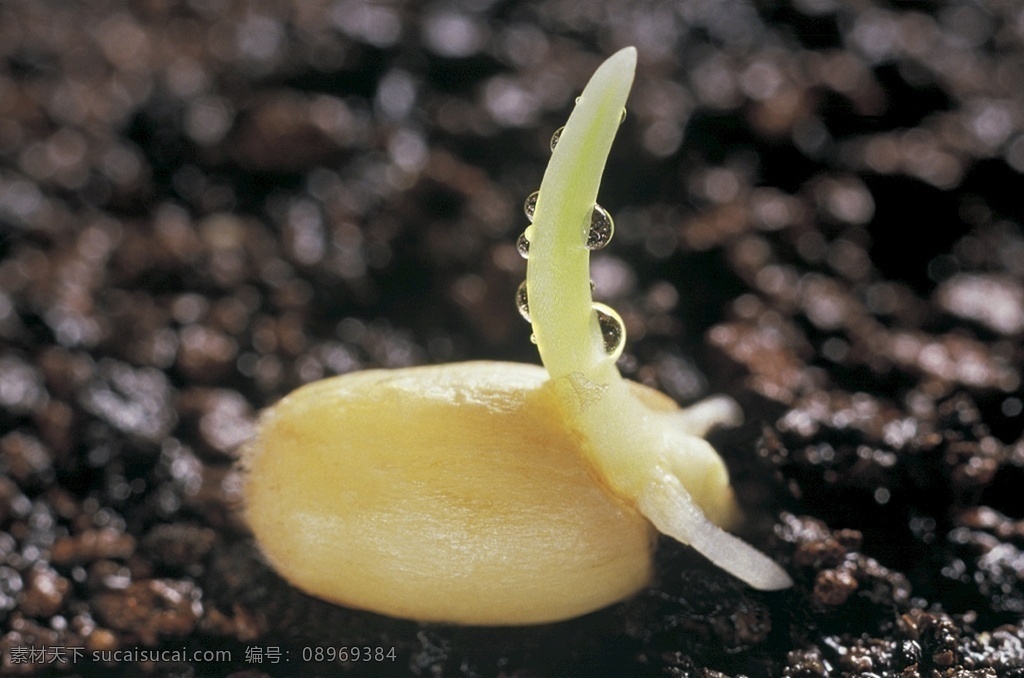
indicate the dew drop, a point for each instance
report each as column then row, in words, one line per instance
column 556, row 136
column 530, row 206
column 523, row 246
column 612, row 330
column 533, row 338
column 523, row 302
column 602, row 228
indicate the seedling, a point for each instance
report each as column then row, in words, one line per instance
column 500, row 493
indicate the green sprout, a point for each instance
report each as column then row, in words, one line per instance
column 659, row 460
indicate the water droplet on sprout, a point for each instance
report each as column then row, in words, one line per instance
column 530, row 206
column 612, row 330
column 523, row 245
column 523, row 302
column 556, row 136
column 533, row 338
column 602, row 228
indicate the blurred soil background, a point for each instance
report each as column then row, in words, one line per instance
column 819, row 212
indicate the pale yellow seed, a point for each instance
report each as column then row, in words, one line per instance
column 455, row 493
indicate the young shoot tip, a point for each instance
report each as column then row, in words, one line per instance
column 569, row 330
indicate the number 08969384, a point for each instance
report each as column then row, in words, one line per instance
column 363, row 653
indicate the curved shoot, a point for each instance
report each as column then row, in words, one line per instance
column 653, row 458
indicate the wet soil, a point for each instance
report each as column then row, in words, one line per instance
column 818, row 213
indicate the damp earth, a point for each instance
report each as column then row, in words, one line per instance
column 817, row 212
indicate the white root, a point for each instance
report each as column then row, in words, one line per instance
column 668, row 505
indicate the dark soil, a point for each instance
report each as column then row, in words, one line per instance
column 819, row 212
